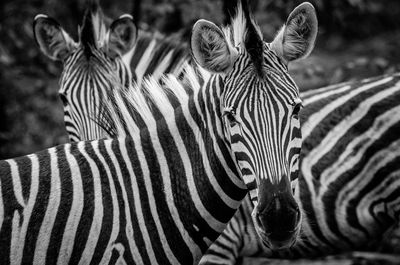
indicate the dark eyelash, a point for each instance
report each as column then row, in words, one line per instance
column 230, row 114
column 296, row 108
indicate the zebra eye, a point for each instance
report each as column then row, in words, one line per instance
column 296, row 109
column 230, row 116
column 63, row 99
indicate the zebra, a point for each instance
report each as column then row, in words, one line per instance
column 164, row 194
column 239, row 238
column 349, row 183
column 117, row 47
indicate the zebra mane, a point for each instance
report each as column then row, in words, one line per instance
column 126, row 107
column 123, row 108
column 155, row 54
column 239, row 27
column 94, row 29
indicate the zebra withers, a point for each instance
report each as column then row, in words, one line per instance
column 164, row 194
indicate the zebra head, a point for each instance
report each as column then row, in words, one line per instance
column 260, row 105
column 91, row 65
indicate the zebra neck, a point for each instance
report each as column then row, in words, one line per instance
column 184, row 147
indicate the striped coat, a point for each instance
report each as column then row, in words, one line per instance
column 349, row 186
column 164, row 194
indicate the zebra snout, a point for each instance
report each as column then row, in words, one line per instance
column 279, row 221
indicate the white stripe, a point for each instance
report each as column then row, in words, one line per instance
column 75, row 213
column 16, row 179
column 323, row 90
column 144, row 62
column 18, row 233
column 162, row 66
column 317, row 97
column 317, row 117
column 43, row 239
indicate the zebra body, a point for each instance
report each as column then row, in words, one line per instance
column 189, row 163
column 104, row 201
column 349, row 182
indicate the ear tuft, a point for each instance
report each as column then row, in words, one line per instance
column 209, row 47
column 52, row 40
column 297, row 38
column 122, row 36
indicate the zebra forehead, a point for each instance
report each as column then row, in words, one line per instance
column 269, row 89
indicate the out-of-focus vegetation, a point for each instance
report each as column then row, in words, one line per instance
column 357, row 38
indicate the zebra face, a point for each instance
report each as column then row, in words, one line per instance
column 261, row 124
column 260, row 105
column 91, row 66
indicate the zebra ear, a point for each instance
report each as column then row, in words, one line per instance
column 53, row 41
column 122, row 36
column 297, row 37
column 210, row 48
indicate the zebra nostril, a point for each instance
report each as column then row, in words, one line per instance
column 261, row 223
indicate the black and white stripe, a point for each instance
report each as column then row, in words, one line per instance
column 161, row 195
column 349, row 183
column 266, row 144
column 93, row 66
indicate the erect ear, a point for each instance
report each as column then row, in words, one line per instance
column 210, row 48
column 53, row 41
column 297, row 37
column 122, row 36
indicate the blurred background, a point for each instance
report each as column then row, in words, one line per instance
column 357, row 38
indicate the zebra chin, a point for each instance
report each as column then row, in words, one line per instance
column 277, row 217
